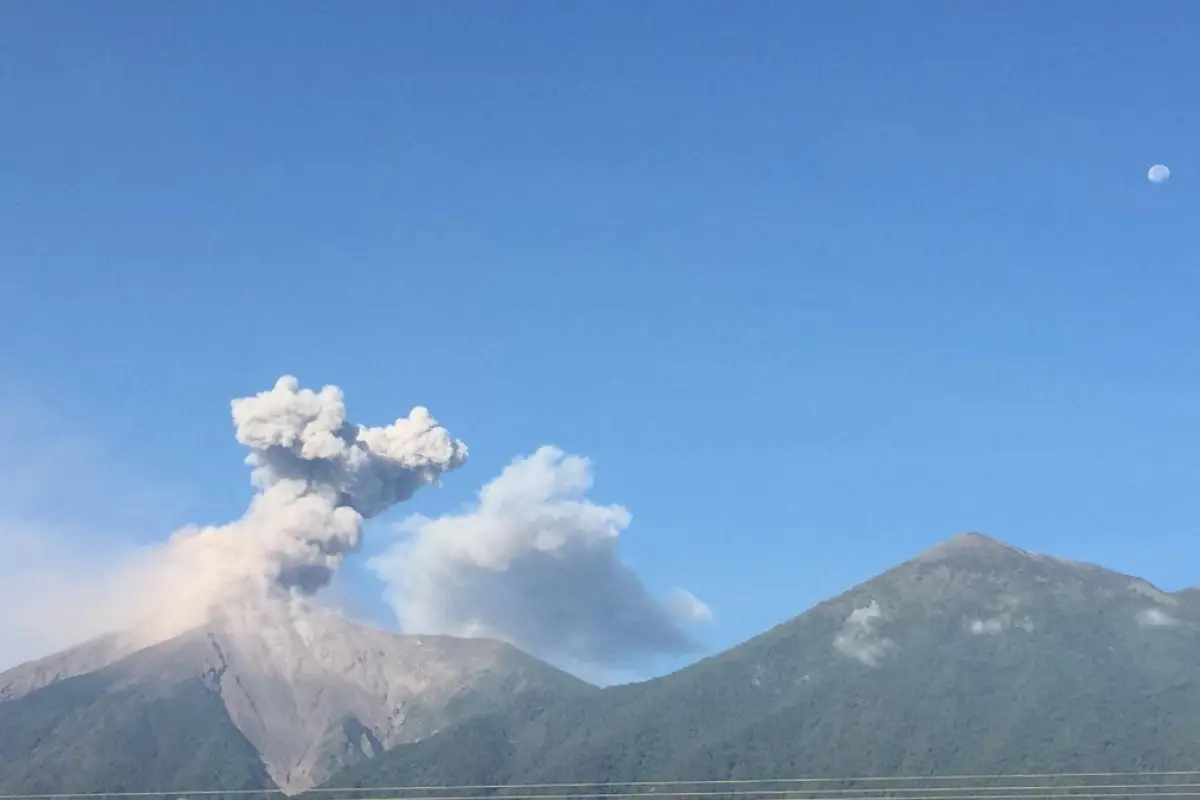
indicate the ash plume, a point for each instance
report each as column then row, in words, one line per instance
column 317, row 477
column 536, row 563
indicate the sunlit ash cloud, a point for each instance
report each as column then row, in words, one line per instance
column 317, row 477
column 534, row 562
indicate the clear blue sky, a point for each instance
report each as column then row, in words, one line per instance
column 814, row 285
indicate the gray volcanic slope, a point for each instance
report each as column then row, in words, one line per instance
column 975, row 657
column 266, row 696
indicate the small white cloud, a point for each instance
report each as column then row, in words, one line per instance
column 1156, row 618
column 1002, row 620
column 859, row 637
column 992, row 625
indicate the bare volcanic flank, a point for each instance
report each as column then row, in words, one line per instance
column 311, row 692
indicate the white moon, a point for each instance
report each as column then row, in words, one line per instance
column 1158, row 173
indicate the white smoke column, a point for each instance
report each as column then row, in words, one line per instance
column 535, row 563
column 318, row 477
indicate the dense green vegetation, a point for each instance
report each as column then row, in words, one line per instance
column 1072, row 682
column 87, row 735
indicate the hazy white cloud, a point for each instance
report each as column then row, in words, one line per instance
column 536, row 563
column 1156, row 618
column 70, row 515
column 54, row 590
column 859, row 636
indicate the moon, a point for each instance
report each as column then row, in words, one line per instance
column 1158, row 173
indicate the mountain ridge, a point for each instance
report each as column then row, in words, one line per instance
column 973, row 657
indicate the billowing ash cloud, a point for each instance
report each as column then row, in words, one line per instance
column 318, row 477
column 534, row 562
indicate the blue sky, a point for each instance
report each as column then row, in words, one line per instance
column 814, row 286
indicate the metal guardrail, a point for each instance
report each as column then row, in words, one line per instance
column 1177, row 785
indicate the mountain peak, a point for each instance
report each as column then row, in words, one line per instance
column 971, row 544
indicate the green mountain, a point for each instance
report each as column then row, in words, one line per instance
column 974, row 658
column 96, row 733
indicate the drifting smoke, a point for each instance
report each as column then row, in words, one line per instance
column 318, row 477
column 536, row 564
column 71, row 516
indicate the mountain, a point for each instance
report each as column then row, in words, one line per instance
column 272, row 695
column 973, row 658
